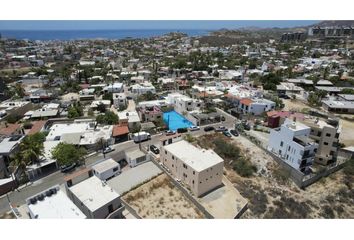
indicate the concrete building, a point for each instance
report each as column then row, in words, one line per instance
column 93, row 197
column 183, row 103
column 327, row 138
column 136, row 157
column 119, row 100
column 52, row 204
column 106, row 169
column 200, row 169
column 150, row 114
column 292, row 143
column 338, row 106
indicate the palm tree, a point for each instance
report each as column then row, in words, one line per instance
column 32, row 148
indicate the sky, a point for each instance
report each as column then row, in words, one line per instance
column 150, row 24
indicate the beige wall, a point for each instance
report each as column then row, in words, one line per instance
column 199, row 182
column 325, row 144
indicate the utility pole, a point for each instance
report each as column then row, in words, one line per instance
column 104, row 154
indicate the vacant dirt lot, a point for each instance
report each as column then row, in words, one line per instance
column 347, row 133
column 271, row 194
column 159, row 198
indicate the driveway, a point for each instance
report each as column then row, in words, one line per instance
column 133, row 177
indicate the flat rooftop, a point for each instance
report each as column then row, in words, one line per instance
column 93, row 193
column 339, row 104
column 105, row 165
column 196, row 158
column 56, row 206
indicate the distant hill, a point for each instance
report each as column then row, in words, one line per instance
column 332, row 23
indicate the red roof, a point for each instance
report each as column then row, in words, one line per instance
column 285, row 114
column 120, row 130
column 246, row 101
column 36, row 127
column 10, row 129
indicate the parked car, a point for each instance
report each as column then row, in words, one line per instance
column 170, row 132
column 194, row 128
column 182, row 130
column 221, row 129
column 154, row 149
column 208, row 129
column 67, row 168
column 108, row 150
column 227, row 133
column 234, row 132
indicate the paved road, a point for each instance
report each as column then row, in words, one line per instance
column 18, row 198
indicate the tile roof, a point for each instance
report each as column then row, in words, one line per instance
column 246, row 101
column 119, row 130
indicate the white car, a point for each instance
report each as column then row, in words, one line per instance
column 194, row 128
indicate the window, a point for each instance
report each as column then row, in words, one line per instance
column 289, row 148
column 325, row 143
column 166, row 152
column 110, row 208
column 328, row 134
column 172, row 165
column 319, row 134
column 193, row 181
column 115, row 169
column 281, row 143
column 184, row 166
column 173, row 157
column 193, row 172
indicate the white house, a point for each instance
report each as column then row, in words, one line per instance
column 255, row 106
column 114, row 88
column 143, row 88
column 106, row 169
column 292, row 143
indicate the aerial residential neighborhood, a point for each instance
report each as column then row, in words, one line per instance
column 233, row 124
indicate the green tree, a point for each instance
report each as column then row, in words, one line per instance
column 19, row 90
column 66, row 154
column 73, row 113
column 270, row 81
column 109, row 118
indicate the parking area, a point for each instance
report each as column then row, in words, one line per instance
column 133, row 177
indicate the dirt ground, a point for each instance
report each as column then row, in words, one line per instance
column 347, row 133
column 271, row 194
column 159, row 198
column 294, row 105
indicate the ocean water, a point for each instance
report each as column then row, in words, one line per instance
column 94, row 34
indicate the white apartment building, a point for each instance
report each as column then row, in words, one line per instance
column 292, row 143
column 183, row 103
column 198, row 168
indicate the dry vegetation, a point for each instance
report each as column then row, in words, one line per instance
column 159, row 198
column 271, row 194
